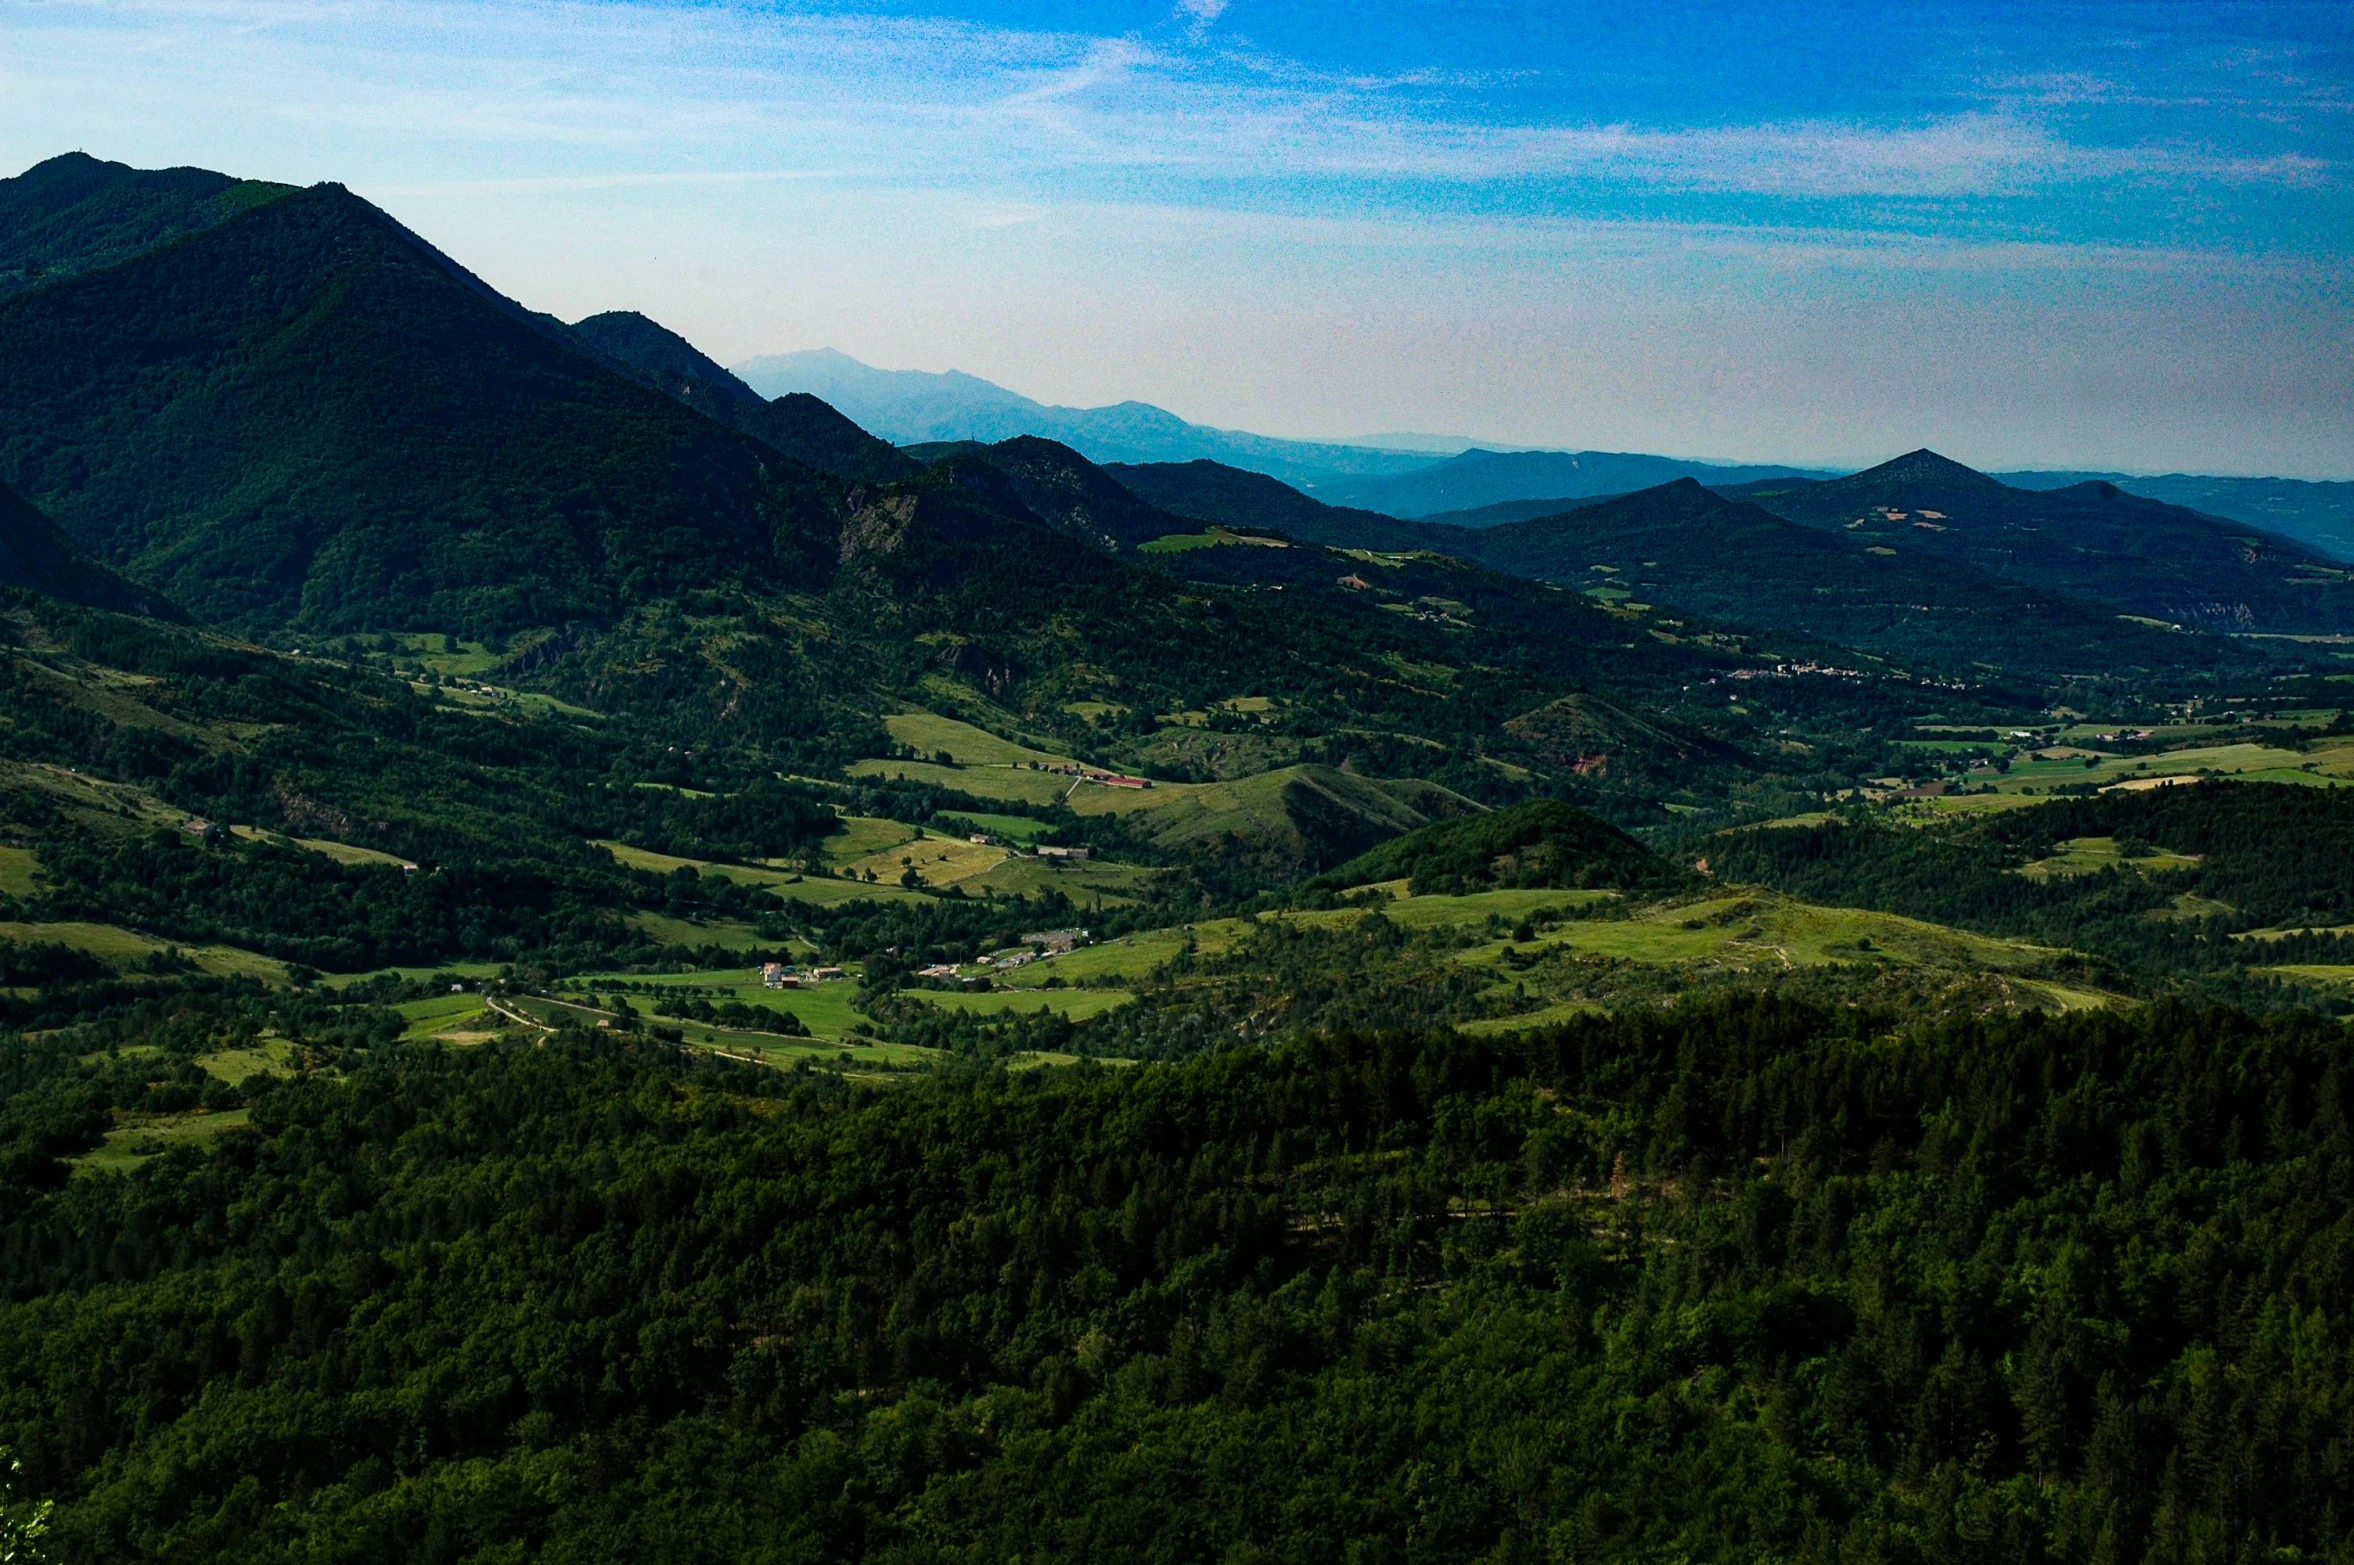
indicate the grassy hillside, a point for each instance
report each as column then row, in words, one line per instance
column 2212, row 877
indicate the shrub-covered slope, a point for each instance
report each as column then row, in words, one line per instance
column 1542, row 843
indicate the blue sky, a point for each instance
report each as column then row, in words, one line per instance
column 2105, row 235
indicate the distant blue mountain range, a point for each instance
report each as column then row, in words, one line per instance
column 917, row 407
column 1422, row 476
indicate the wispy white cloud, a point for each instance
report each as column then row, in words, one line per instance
column 1189, row 213
column 1199, row 15
column 701, row 88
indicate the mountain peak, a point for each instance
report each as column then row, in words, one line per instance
column 1923, row 466
column 75, row 213
column 647, row 345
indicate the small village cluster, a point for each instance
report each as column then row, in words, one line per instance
column 1107, row 779
column 782, row 975
column 1036, row 946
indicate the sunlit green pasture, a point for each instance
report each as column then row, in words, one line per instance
column 125, row 949
column 789, row 884
column 825, row 1009
column 2091, row 855
column 453, row 1018
column 725, row 934
column 139, row 1137
column 1433, row 912
column 17, row 867
column 1078, row 1005
column 928, row 734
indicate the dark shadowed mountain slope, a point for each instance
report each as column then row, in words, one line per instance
column 1233, row 497
column 2091, row 541
column 1505, row 511
column 809, row 430
column 1683, row 544
column 307, row 416
column 75, row 213
column 2318, row 515
column 799, row 425
column 1381, row 579
column 36, row 556
column 1076, row 497
column 1482, row 478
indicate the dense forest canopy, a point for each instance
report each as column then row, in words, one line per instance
column 1728, row 1282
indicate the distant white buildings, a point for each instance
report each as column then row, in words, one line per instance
column 781, row 975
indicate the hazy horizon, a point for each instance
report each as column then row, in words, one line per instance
column 1458, row 444
column 2116, row 238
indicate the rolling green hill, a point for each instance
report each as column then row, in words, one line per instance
column 1538, row 844
column 305, row 417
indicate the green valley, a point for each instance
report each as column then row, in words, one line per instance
column 597, row 965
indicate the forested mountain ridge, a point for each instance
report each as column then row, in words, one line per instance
column 2319, row 515
column 798, row 425
column 346, row 432
column 1684, row 545
column 2092, row 541
column 304, row 416
column 74, row 213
